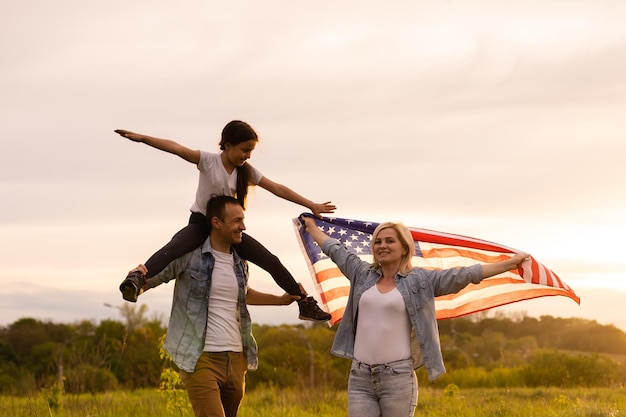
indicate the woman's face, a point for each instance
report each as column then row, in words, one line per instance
column 238, row 154
column 387, row 247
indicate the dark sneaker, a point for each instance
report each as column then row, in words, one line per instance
column 131, row 286
column 309, row 310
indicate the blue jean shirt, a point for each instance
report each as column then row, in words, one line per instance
column 186, row 331
column 418, row 288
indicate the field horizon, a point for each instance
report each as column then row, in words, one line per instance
column 271, row 402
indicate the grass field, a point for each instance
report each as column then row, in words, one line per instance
column 268, row 402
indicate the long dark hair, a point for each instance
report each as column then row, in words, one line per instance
column 236, row 132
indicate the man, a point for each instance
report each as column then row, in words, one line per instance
column 209, row 335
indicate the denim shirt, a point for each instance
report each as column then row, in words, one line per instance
column 418, row 288
column 190, row 306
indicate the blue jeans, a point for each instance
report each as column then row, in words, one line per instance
column 384, row 390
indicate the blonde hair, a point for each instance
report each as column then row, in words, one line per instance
column 404, row 235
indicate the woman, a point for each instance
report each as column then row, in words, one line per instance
column 225, row 173
column 396, row 331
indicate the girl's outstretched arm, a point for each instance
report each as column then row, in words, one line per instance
column 288, row 194
column 167, row 145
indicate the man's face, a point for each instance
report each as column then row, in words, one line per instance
column 233, row 225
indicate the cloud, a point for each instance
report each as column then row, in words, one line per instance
column 496, row 120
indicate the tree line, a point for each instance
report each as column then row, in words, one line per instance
column 479, row 351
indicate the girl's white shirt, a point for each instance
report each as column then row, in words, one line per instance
column 213, row 179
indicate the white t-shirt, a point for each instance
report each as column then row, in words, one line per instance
column 214, row 180
column 383, row 331
column 223, row 332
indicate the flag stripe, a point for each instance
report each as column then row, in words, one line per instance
column 490, row 301
column 327, row 274
column 422, row 235
column 332, row 293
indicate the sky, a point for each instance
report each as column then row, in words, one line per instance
column 497, row 120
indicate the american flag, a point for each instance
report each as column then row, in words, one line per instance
column 433, row 250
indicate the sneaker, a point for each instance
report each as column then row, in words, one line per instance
column 131, row 286
column 309, row 310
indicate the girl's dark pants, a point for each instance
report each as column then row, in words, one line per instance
column 195, row 233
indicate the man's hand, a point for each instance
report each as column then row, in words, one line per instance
column 258, row 298
column 141, row 268
column 287, row 299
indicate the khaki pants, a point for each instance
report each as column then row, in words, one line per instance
column 217, row 384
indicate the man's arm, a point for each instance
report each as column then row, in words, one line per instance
column 156, row 280
column 258, row 298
